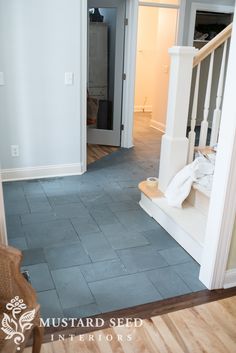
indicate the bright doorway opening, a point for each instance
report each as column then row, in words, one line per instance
column 157, row 32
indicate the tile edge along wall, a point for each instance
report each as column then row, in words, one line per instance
column 39, row 113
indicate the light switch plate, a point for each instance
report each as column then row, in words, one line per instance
column 15, row 151
column 69, row 78
column 2, row 81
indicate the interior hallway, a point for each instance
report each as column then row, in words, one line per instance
column 88, row 246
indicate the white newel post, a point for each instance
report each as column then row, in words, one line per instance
column 174, row 146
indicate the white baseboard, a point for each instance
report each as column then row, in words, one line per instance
column 48, row 171
column 230, row 279
column 143, row 109
column 156, row 125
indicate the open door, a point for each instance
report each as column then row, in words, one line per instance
column 106, row 21
column 3, row 232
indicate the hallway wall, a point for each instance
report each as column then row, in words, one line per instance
column 156, row 34
column 146, row 58
column 39, row 42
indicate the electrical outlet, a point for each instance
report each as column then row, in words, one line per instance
column 2, row 81
column 69, row 78
column 15, row 151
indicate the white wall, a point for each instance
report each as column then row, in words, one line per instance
column 39, row 42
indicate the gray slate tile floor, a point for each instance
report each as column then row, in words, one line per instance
column 87, row 244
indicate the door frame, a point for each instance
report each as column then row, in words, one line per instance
column 198, row 6
column 222, row 211
column 113, row 136
column 130, row 49
column 132, row 7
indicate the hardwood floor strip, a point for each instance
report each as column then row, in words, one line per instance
column 226, row 338
column 170, row 332
column 146, row 311
column 193, row 330
column 96, row 152
column 153, row 334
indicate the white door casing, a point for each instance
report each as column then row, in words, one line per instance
column 130, row 51
column 222, row 210
column 107, row 136
column 199, row 6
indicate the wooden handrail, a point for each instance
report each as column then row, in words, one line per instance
column 213, row 45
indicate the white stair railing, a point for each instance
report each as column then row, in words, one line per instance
column 177, row 150
column 217, row 111
column 174, row 145
column 192, row 133
column 204, row 124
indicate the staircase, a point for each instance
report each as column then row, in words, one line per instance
column 187, row 225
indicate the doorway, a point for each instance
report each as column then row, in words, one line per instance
column 105, row 74
column 157, row 32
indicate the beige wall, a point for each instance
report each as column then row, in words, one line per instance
column 232, row 254
column 166, row 35
column 146, row 53
column 156, row 34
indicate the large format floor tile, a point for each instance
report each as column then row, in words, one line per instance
column 142, row 258
column 121, row 238
column 176, row 255
column 98, row 247
column 189, row 272
column 159, row 238
column 50, row 306
column 50, row 233
column 33, row 257
column 67, row 255
column 167, row 282
column 40, row 277
column 19, row 243
column 124, row 292
column 72, row 288
column 136, row 220
column 103, row 270
column 87, row 244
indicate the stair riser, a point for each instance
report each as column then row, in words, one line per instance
column 199, row 201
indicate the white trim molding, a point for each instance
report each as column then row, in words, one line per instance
column 222, row 210
column 128, row 108
column 130, row 70
column 143, row 108
column 82, row 86
column 48, row 171
column 199, row 6
column 230, row 278
column 157, row 125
